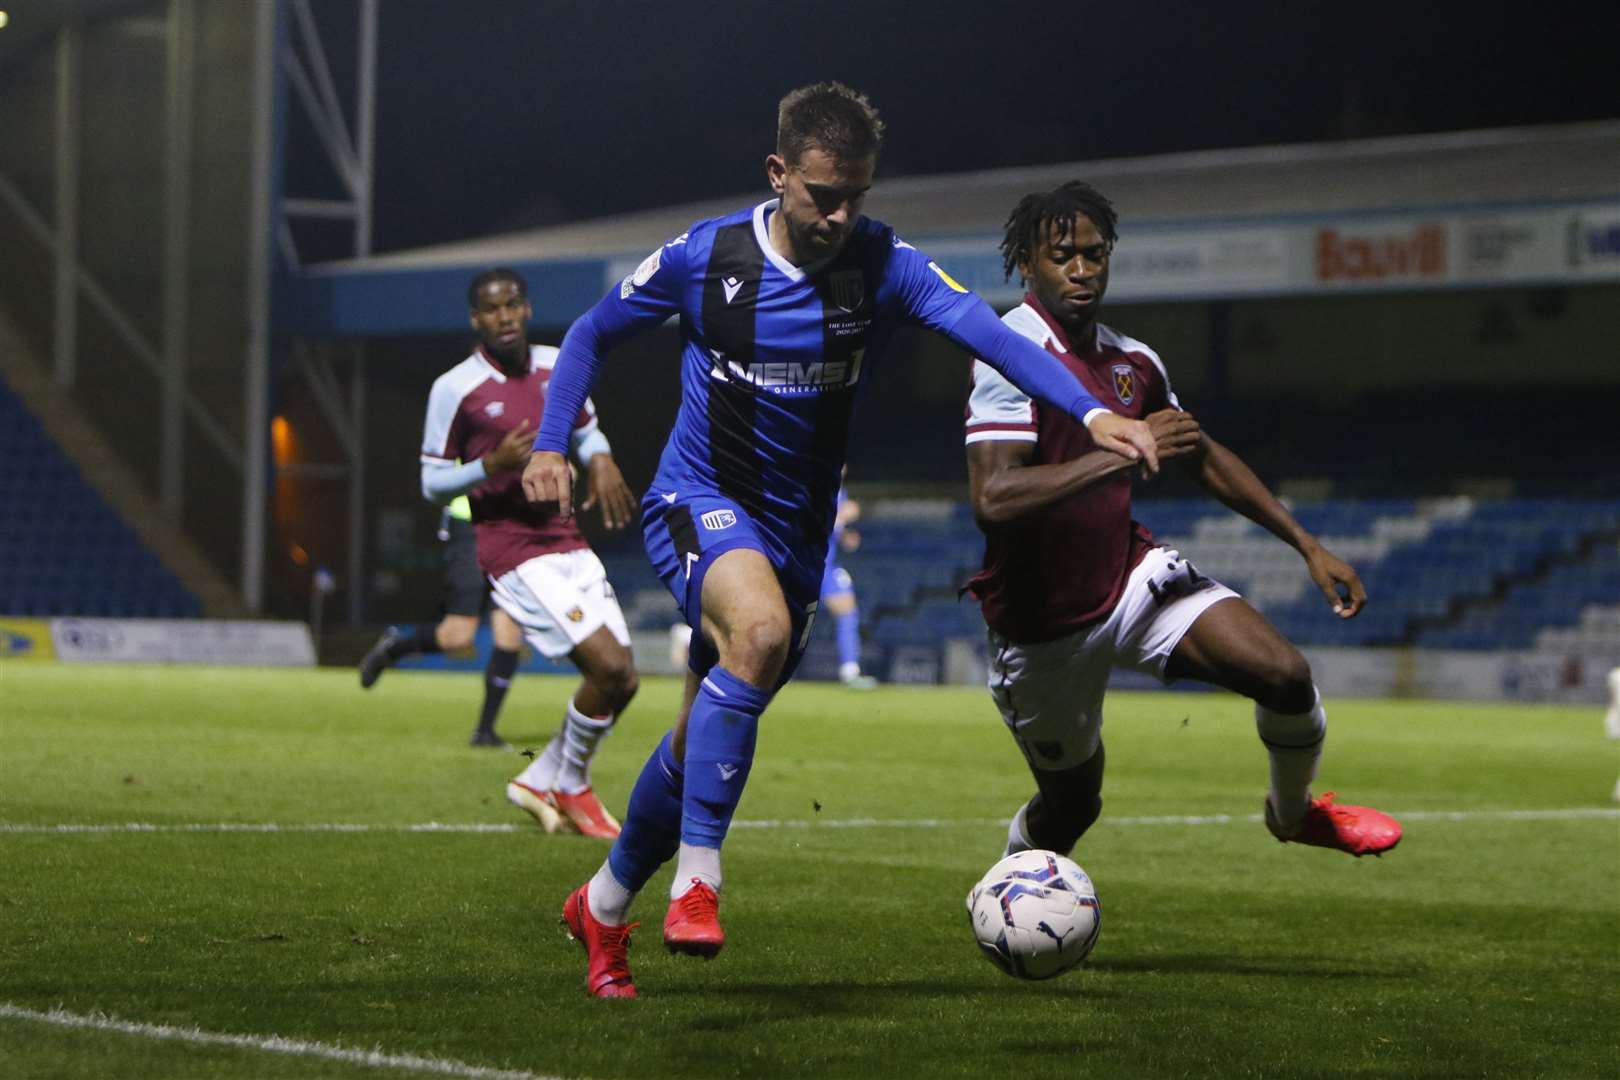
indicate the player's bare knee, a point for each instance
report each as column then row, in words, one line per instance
column 612, row 674
column 623, row 682
column 456, row 637
column 759, row 649
column 1288, row 685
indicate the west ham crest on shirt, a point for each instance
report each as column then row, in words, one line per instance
column 1125, row 383
column 847, row 289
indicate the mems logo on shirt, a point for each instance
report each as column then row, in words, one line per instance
column 790, row 377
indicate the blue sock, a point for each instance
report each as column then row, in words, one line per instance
column 848, row 627
column 651, row 832
column 720, row 734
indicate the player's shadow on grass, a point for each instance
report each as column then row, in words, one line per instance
column 857, row 998
column 1227, row 964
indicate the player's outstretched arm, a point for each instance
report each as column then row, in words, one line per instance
column 1225, row 476
column 1003, row 486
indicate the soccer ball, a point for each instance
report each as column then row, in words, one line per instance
column 1035, row 914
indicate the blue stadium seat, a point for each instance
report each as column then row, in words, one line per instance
column 63, row 551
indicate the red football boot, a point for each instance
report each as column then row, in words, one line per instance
column 585, row 812
column 606, row 948
column 1355, row 830
column 541, row 805
column 693, row 923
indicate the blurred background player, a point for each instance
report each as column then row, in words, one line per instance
column 785, row 309
column 466, row 595
column 838, row 595
column 1072, row 587
column 481, row 418
column 1611, row 720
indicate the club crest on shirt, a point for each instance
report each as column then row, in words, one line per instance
column 575, row 614
column 1125, row 383
column 494, row 409
column 847, row 289
column 715, row 520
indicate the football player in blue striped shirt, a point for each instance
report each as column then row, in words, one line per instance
column 786, row 309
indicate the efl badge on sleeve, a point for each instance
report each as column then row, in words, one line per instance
column 1125, row 383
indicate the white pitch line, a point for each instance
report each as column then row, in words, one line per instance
column 272, row 1044
column 260, row 827
column 1556, row 814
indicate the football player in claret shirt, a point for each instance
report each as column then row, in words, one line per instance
column 1072, row 587
column 785, row 310
column 481, row 418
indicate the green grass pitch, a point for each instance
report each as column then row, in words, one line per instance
column 1486, row 945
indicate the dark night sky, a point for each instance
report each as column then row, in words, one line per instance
column 507, row 114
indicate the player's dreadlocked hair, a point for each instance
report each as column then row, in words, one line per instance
column 831, row 117
column 488, row 277
column 1027, row 225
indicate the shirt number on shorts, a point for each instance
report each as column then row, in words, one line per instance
column 809, row 624
column 1178, row 579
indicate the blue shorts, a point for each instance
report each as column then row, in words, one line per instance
column 685, row 535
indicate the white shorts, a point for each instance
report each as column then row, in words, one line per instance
column 560, row 600
column 1050, row 694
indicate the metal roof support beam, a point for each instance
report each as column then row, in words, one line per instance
column 180, row 49
column 65, row 336
column 323, row 381
column 142, row 349
column 366, row 124
column 357, row 487
column 329, row 105
column 335, row 142
column 262, row 218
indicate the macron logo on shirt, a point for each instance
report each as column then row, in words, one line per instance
column 731, row 285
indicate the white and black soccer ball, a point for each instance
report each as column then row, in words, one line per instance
column 1035, row 914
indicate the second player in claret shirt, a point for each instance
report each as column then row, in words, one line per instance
column 481, row 416
column 1072, row 587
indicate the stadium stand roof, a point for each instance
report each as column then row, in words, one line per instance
column 570, row 265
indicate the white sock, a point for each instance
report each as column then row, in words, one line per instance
column 608, row 900
column 541, row 775
column 702, row 863
column 1018, row 834
column 849, row 670
column 580, row 734
column 1294, row 743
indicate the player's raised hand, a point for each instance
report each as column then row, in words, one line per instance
column 1332, row 573
column 608, row 488
column 548, row 479
column 1176, row 433
column 1130, row 439
column 513, row 451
